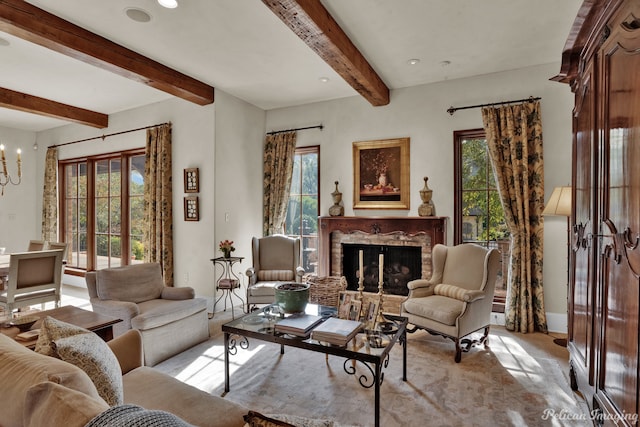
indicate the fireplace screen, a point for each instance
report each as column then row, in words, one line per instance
column 401, row 265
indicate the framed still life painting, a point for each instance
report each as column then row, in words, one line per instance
column 381, row 174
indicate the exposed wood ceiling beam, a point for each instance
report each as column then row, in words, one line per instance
column 35, row 25
column 45, row 107
column 316, row 27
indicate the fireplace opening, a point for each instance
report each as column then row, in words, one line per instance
column 401, row 265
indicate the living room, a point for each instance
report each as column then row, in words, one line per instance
column 225, row 139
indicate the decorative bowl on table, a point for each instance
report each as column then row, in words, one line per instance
column 292, row 297
column 24, row 323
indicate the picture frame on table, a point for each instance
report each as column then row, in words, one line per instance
column 381, row 178
column 191, row 180
column 344, row 305
column 371, row 314
column 191, row 208
column 355, row 310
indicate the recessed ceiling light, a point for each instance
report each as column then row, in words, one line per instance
column 324, row 79
column 4, row 42
column 137, row 14
column 169, row 4
column 413, row 61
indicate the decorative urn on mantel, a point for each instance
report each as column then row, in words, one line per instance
column 427, row 207
column 337, row 209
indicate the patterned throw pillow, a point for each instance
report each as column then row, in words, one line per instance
column 86, row 350
column 256, row 419
column 279, row 275
column 52, row 330
column 91, row 354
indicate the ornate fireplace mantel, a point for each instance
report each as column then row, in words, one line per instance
column 434, row 226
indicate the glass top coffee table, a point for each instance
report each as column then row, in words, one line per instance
column 370, row 348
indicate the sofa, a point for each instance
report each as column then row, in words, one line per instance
column 170, row 319
column 67, row 388
column 39, row 390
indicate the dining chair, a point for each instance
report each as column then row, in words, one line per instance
column 59, row 245
column 36, row 245
column 65, row 251
column 34, row 278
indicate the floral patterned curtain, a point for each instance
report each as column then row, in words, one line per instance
column 158, row 194
column 514, row 138
column 279, row 151
column 50, row 197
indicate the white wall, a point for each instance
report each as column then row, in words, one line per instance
column 420, row 113
column 18, row 210
column 238, row 182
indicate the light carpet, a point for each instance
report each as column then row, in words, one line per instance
column 511, row 383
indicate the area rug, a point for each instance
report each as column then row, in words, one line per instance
column 503, row 385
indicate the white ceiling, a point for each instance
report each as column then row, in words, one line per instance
column 241, row 47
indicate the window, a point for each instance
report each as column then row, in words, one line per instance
column 479, row 217
column 304, row 204
column 102, row 209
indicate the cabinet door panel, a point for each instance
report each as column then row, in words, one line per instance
column 581, row 292
column 618, row 360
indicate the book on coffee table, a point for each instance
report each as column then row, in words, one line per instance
column 337, row 331
column 298, row 324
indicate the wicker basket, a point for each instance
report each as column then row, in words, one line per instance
column 326, row 290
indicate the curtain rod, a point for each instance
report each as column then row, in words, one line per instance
column 108, row 135
column 452, row 110
column 291, row 130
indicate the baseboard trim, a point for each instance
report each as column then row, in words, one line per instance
column 556, row 322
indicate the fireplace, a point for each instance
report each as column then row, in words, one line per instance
column 401, row 265
column 402, row 234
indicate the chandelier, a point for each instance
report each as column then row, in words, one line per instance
column 5, row 178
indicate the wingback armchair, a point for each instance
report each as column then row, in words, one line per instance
column 457, row 300
column 276, row 259
column 169, row 319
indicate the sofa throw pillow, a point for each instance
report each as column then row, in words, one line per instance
column 256, row 419
column 51, row 404
column 53, row 329
column 456, row 292
column 275, row 275
column 91, row 354
column 23, row 368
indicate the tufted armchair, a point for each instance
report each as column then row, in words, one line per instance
column 458, row 298
column 276, row 259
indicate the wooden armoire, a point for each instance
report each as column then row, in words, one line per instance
column 601, row 62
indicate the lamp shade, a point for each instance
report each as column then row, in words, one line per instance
column 559, row 203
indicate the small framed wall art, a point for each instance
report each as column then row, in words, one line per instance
column 191, row 209
column 191, row 180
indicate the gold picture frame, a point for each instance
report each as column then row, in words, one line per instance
column 191, row 180
column 191, row 209
column 381, row 174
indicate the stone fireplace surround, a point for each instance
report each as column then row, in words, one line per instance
column 387, row 231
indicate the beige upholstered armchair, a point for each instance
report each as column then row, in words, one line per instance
column 169, row 319
column 276, row 259
column 458, row 298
